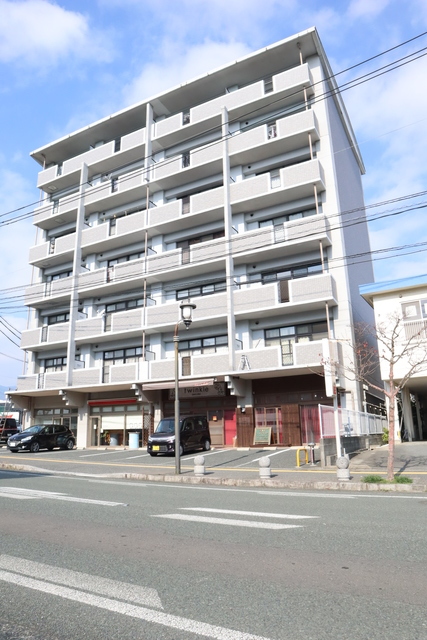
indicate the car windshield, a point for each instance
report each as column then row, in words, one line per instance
column 35, row 429
column 167, row 425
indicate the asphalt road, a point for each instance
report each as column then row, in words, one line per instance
column 89, row 558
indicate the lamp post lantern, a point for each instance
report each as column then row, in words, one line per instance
column 186, row 319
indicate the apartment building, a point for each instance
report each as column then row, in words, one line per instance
column 238, row 191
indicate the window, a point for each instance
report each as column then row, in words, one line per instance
column 117, row 144
column 55, row 364
column 280, row 219
column 287, row 273
column 411, row 310
column 58, row 276
column 114, row 185
column 213, row 344
column 286, row 337
column 201, row 290
column 114, row 307
column 58, row 317
column 186, row 117
column 185, row 244
column 127, row 258
column 123, row 356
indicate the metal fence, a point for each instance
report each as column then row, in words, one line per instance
column 352, row 423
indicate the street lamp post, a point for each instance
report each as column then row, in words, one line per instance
column 186, row 318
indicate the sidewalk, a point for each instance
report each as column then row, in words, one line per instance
column 410, row 460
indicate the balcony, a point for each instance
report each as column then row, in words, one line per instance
column 101, row 159
column 299, row 235
column 44, row 293
column 286, row 296
column 199, row 163
column 293, row 183
column 288, row 86
column 116, row 192
column 55, row 251
column 45, row 337
column 290, row 134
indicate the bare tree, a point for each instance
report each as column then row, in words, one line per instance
column 399, row 349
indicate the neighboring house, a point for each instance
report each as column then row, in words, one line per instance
column 405, row 299
column 241, row 191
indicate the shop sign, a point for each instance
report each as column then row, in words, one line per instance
column 201, row 391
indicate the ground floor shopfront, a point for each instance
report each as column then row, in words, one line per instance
column 284, row 409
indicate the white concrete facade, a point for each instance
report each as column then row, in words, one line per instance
column 402, row 305
column 239, row 191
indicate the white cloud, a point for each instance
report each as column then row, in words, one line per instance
column 366, row 8
column 179, row 65
column 38, row 34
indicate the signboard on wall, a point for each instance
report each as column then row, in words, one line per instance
column 201, row 391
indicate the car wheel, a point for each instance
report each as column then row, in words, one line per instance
column 206, row 445
column 69, row 444
column 34, row 447
column 153, row 455
column 181, row 450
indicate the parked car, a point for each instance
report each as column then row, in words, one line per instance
column 194, row 434
column 42, row 436
column 8, row 427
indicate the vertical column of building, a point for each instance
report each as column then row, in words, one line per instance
column 228, row 227
column 77, row 260
column 148, row 159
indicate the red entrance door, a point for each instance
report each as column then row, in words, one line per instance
column 229, row 425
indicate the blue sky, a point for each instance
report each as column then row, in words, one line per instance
column 64, row 64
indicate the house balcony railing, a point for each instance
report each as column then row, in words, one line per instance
column 289, row 133
column 48, row 291
column 288, row 86
column 100, row 159
column 292, row 183
column 304, row 357
column 54, row 250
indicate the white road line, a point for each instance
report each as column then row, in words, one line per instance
column 18, row 493
column 270, row 455
column 141, row 613
column 204, row 454
column 95, row 584
column 92, row 455
column 259, row 514
column 228, row 521
column 142, row 455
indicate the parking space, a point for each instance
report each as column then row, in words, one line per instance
column 106, row 461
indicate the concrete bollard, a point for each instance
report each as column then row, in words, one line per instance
column 264, row 467
column 343, row 471
column 199, row 466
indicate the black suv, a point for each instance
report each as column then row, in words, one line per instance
column 194, row 434
column 42, row 436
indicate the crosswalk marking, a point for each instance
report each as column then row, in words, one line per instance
column 229, row 521
column 32, row 494
column 70, row 578
column 53, row 579
column 249, row 513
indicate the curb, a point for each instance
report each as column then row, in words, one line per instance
column 235, row 482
